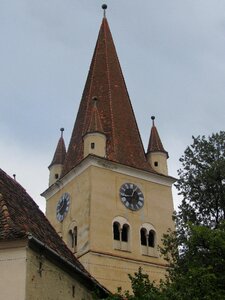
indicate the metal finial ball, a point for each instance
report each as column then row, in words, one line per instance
column 104, row 6
column 153, row 118
column 61, row 129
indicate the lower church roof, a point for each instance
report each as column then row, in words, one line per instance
column 21, row 218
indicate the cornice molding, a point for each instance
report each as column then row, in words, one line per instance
column 96, row 161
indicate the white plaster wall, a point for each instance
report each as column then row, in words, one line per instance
column 12, row 273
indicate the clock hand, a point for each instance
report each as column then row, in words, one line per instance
column 134, row 190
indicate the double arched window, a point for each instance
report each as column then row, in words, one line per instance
column 122, row 237
column 147, row 237
column 121, row 233
column 72, row 237
column 148, row 240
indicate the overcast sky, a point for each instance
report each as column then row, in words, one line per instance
column 172, row 54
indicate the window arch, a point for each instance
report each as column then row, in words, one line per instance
column 116, row 231
column 148, row 240
column 125, row 233
column 72, row 236
column 121, row 233
column 143, row 237
column 151, row 238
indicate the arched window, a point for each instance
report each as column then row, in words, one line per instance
column 143, row 237
column 125, row 233
column 148, row 240
column 116, row 231
column 72, row 237
column 151, row 238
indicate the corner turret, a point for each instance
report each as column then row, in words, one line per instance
column 55, row 168
column 157, row 156
column 95, row 139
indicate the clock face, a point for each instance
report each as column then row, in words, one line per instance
column 131, row 196
column 62, row 207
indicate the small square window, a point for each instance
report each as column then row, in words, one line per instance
column 56, row 176
column 92, row 145
column 156, row 164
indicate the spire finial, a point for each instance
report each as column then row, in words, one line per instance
column 153, row 120
column 61, row 129
column 104, row 7
column 14, row 176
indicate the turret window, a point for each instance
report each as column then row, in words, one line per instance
column 92, row 145
column 156, row 164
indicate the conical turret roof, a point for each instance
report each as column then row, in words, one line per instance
column 106, row 82
column 155, row 144
column 95, row 121
column 60, row 152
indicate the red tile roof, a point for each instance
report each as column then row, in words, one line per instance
column 20, row 217
column 95, row 121
column 106, row 82
column 155, row 144
column 60, row 152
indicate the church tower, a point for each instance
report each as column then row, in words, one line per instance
column 111, row 204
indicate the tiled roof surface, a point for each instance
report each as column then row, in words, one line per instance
column 95, row 121
column 105, row 81
column 20, row 216
column 60, row 153
column 155, row 144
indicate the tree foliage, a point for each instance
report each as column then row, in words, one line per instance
column 201, row 182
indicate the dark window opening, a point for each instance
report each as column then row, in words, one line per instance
column 73, row 237
column 151, row 238
column 143, row 237
column 156, row 164
column 125, row 231
column 73, row 291
column 116, row 231
column 56, row 176
column 92, row 145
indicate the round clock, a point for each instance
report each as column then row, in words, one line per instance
column 62, row 207
column 131, row 196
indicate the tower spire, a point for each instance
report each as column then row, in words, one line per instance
column 105, row 81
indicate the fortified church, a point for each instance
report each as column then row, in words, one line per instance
column 108, row 198
column 108, row 203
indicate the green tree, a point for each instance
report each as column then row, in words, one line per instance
column 142, row 289
column 195, row 252
column 199, row 271
column 201, row 182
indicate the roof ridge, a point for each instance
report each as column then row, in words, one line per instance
column 110, row 93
